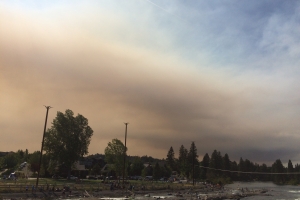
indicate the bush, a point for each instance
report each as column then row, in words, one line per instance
column 221, row 180
column 293, row 182
column 8, row 172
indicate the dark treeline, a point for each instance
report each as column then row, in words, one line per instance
column 216, row 168
column 219, row 168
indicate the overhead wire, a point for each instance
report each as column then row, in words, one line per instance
column 242, row 172
column 167, row 11
column 158, row 6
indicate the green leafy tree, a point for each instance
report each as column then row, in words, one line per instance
column 52, row 167
column 34, row 161
column 136, row 167
column 10, row 161
column 1, row 163
column 21, row 155
column 44, row 171
column 114, row 154
column 68, row 139
column 147, row 171
column 96, row 170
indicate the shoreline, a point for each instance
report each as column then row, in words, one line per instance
column 203, row 193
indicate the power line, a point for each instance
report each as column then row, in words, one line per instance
column 161, row 8
column 267, row 173
column 158, row 6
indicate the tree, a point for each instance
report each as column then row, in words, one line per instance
column 192, row 159
column 182, row 161
column 10, row 161
column 171, row 158
column 96, row 169
column 114, row 154
column 148, row 170
column 205, row 164
column 136, row 167
column 26, row 155
column 34, row 160
column 297, row 169
column 68, row 139
column 241, row 168
column 21, row 155
column 248, row 167
column 166, row 171
column 277, row 167
column 234, row 167
column 215, row 163
column 156, row 171
column 290, row 169
column 226, row 162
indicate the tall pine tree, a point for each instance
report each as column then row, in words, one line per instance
column 204, row 163
column 171, row 158
column 182, row 161
column 192, row 159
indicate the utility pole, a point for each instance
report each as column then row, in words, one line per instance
column 125, row 151
column 193, row 153
column 38, row 176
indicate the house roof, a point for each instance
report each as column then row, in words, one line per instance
column 79, row 167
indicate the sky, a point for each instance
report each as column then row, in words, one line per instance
column 224, row 74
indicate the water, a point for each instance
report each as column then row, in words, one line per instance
column 275, row 192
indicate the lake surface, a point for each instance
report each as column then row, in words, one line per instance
column 276, row 192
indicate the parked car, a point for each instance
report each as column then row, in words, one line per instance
column 100, row 177
column 133, row 177
column 163, row 179
column 56, row 176
column 111, row 178
column 92, row 177
column 23, row 165
column 12, row 176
